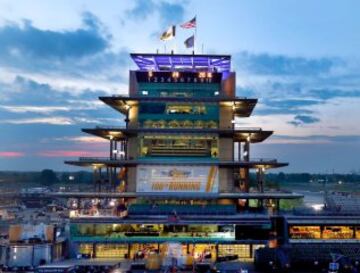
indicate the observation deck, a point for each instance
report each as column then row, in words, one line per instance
column 182, row 62
column 242, row 106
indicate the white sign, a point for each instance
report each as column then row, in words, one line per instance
column 175, row 178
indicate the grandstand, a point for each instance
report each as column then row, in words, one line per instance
column 343, row 202
column 164, row 209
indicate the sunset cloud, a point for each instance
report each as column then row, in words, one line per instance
column 49, row 120
column 11, row 154
column 72, row 153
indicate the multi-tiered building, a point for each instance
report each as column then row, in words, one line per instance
column 178, row 171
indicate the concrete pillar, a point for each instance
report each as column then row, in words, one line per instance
column 277, row 206
column 246, row 151
column 245, row 170
column 126, row 149
column 94, row 177
column 260, row 177
column 100, row 177
column 94, row 250
column 127, row 118
column 216, row 251
column 111, row 149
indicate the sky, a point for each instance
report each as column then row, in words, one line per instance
column 301, row 59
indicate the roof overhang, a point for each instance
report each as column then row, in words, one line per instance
column 106, row 162
column 242, row 107
column 253, row 135
column 182, row 62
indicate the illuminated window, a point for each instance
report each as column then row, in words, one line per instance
column 199, row 124
column 86, row 249
column 148, row 123
column 179, row 109
column 161, row 145
column 173, row 124
column 357, row 233
column 212, row 124
column 142, row 249
column 305, row 232
column 202, row 75
column 159, row 124
column 187, row 124
column 111, row 250
column 242, row 250
column 338, row 232
column 175, row 74
column 199, row 110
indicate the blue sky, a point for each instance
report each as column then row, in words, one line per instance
column 300, row 58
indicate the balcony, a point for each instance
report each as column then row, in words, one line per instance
column 242, row 107
column 239, row 134
column 254, row 163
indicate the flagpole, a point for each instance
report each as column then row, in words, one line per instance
column 195, row 36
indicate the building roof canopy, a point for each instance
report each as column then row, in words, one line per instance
column 182, row 62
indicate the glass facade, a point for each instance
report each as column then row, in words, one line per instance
column 339, row 232
column 305, row 232
column 153, row 232
column 241, row 250
column 111, row 250
column 176, row 115
column 143, row 250
column 179, row 145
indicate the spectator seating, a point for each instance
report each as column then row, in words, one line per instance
column 165, row 209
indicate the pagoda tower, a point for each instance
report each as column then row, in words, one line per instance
column 180, row 136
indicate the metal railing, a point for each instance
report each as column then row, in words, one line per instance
column 122, row 127
column 253, row 159
column 247, row 128
column 257, row 160
column 93, row 158
column 140, row 96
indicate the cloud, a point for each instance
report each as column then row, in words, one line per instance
column 27, row 41
column 82, row 139
column 82, row 53
column 71, row 153
column 313, row 139
column 326, row 94
column 276, row 106
column 34, row 109
column 171, row 13
column 11, row 154
column 300, row 88
column 48, row 120
column 266, row 64
column 26, row 101
column 141, row 9
column 304, row 119
column 168, row 13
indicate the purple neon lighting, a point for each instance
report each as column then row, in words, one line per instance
column 157, row 62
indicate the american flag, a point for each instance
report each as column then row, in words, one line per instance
column 189, row 24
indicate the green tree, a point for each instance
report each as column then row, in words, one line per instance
column 48, row 177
